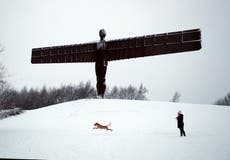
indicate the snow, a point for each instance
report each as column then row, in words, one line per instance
column 141, row 130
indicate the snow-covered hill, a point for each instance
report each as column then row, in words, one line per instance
column 141, row 130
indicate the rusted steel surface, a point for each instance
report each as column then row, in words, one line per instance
column 150, row 45
column 65, row 54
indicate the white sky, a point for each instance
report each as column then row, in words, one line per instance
column 200, row 77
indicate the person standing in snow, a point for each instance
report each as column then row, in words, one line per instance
column 180, row 123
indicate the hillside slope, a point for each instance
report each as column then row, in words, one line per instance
column 141, row 130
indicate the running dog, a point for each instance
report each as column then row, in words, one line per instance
column 99, row 126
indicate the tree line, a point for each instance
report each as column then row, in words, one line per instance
column 36, row 98
column 224, row 101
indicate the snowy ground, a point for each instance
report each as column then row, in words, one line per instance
column 141, row 130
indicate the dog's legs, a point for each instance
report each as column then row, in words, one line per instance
column 109, row 129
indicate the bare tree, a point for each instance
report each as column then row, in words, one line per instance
column 3, row 75
column 6, row 91
column 1, row 48
column 176, row 97
column 141, row 94
column 4, row 86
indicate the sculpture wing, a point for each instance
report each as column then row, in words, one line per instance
column 65, row 54
column 158, row 44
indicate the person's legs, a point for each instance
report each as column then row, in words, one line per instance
column 181, row 131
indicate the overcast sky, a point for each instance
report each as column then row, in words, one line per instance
column 200, row 77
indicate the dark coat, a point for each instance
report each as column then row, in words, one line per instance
column 180, row 122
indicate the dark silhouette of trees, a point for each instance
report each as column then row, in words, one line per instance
column 33, row 98
column 129, row 92
column 224, row 101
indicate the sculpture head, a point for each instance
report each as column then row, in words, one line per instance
column 102, row 34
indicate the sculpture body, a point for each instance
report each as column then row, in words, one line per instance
column 103, row 51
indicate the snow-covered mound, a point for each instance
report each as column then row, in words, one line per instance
column 141, row 130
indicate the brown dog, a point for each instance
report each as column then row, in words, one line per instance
column 99, row 126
